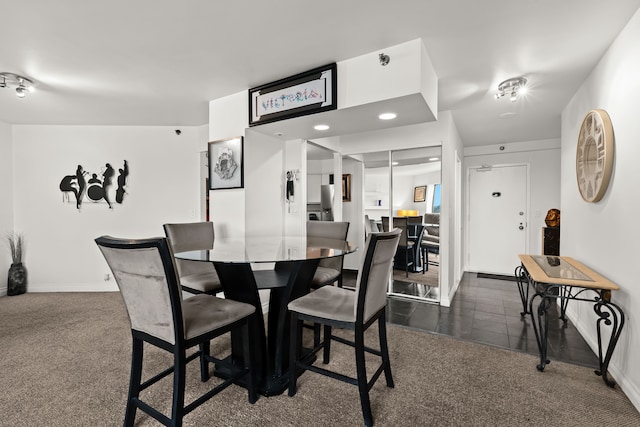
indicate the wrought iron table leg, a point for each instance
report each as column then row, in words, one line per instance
column 611, row 315
column 540, row 322
column 565, row 294
column 523, row 288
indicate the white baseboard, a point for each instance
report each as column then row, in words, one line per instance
column 109, row 286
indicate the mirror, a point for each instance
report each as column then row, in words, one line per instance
column 405, row 187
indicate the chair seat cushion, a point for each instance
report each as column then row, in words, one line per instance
column 329, row 302
column 324, row 276
column 203, row 313
column 203, row 282
column 428, row 238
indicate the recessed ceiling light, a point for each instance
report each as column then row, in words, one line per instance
column 387, row 116
column 433, row 159
column 395, row 163
column 321, row 127
column 508, row 115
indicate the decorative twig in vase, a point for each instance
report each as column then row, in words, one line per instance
column 15, row 246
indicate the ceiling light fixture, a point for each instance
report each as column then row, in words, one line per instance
column 433, row 159
column 512, row 87
column 22, row 84
column 321, row 127
column 384, row 59
column 387, row 116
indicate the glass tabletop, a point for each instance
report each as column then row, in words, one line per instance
column 555, row 267
column 270, row 249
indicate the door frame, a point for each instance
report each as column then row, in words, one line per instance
column 467, row 219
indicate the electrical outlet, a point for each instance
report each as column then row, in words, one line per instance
column 107, row 277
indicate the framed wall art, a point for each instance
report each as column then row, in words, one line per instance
column 311, row 92
column 420, row 193
column 346, row 187
column 226, row 163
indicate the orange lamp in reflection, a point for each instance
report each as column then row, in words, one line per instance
column 407, row 212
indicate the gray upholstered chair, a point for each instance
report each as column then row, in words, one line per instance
column 385, row 223
column 329, row 269
column 343, row 308
column 145, row 273
column 370, row 226
column 430, row 242
column 406, row 245
column 196, row 277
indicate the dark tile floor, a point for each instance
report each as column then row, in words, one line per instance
column 487, row 310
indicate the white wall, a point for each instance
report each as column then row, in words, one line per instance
column 228, row 118
column 352, row 211
column 543, row 158
column 264, row 162
column 6, row 199
column 606, row 235
column 162, row 187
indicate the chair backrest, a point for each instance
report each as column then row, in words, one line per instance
column 432, row 218
column 367, row 226
column 374, row 272
column 402, row 224
column 330, row 230
column 146, row 276
column 385, row 223
column 414, row 219
column 190, row 236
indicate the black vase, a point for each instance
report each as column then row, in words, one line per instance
column 17, row 281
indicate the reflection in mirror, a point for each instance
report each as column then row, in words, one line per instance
column 320, row 183
column 409, row 188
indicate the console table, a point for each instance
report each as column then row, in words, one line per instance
column 564, row 278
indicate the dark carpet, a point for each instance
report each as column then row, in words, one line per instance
column 65, row 362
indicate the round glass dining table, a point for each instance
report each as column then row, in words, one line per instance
column 284, row 265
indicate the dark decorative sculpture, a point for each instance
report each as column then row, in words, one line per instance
column 553, row 218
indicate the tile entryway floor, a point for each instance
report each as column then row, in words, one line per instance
column 487, row 310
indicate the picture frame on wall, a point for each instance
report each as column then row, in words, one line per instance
column 311, row 92
column 226, row 163
column 346, row 187
column 420, row 193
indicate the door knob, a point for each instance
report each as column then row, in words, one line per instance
column 521, row 227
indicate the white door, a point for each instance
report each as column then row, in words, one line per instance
column 497, row 218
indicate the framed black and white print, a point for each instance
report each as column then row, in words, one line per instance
column 226, row 163
column 311, row 92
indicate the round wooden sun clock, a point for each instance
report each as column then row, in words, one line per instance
column 594, row 155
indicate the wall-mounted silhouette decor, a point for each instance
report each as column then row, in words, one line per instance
column 97, row 188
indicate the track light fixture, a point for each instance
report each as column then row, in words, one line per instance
column 22, row 84
column 512, row 87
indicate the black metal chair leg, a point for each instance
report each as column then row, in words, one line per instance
column 251, row 375
column 326, row 355
column 204, row 363
column 361, row 370
column 406, row 261
column 384, row 349
column 316, row 334
column 134, row 382
column 179, row 381
column 293, row 352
